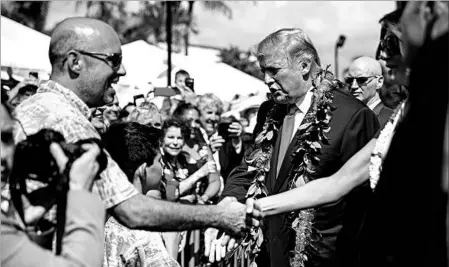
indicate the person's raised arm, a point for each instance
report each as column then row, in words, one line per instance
column 325, row 190
column 187, row 184
column 214, row 183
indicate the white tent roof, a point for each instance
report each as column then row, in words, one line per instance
column 23, row 47
column 143, row 62
column 218, row 78
column 146, row 63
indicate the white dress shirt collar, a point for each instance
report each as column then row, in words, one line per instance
column 304, row 105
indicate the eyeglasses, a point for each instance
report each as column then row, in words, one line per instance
column 114, row 60
column 359, row 80
column 390, row 45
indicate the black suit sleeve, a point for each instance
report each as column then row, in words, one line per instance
column 362, row 127
column 238, row 183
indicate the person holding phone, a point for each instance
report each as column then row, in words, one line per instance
column 225, row 141
column 185, row 84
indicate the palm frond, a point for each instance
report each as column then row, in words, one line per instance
column 218, row 6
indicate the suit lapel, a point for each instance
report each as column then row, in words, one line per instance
column 378, row 108
column 287, row 163
column 271, row 179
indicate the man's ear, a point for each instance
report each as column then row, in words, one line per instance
column 380, row 82
column 74, row 62
column 304, row 67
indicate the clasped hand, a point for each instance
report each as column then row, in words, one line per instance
column 217, row 246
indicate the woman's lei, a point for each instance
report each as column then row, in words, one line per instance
column 383, row 144
column 305, row 159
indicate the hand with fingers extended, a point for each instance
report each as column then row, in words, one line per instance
column 217, row 246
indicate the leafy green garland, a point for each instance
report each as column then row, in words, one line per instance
column 305, row 158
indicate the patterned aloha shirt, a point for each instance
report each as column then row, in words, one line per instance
column 131, row 248
column 58, row 108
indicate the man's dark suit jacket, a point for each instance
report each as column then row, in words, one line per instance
column 352, row 126
column 229, row 158
column 383, row 113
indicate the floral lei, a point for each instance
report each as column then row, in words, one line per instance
column 305, row 159
column 383, row 144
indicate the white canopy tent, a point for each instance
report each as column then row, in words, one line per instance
column 218, row 78
column 23, row 48
column 143, row 62
column 146, row 63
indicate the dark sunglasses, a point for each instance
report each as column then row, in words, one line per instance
column 114, row 60
column 358, row 80
column 390, row 45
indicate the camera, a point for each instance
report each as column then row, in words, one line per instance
column 33, row 160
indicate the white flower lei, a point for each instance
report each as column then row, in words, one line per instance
column 382, row 145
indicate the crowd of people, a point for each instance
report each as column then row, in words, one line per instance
column 335, row 173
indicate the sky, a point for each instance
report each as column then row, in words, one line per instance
column 323, row 21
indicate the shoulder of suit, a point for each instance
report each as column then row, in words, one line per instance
column 342, row 99
column 385, row 110
column 266, row 106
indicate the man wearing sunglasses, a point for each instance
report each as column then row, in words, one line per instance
column 86, row 60
column 364, row 81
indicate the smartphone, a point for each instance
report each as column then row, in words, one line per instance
column 138, row 100
column 223, row 129
column 165, row 91
column 190, row 83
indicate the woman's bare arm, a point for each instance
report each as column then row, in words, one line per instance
column 324, row 190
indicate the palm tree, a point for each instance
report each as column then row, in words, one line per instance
column 146, row 22
column 29, row 13
column 241, row 60
column 219, row 6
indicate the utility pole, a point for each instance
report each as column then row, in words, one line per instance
column 168, row 27
column 338, row 45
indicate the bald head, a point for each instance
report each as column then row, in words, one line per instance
column 365, row 78
column 79, row 33
column 368, row 65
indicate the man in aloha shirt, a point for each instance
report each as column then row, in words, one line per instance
column 86, row 59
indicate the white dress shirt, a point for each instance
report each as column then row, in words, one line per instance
column 303, row 108
column 374, row 102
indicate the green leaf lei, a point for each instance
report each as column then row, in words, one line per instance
column 305, row 159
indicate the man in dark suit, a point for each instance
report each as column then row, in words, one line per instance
column 289, row 62
column 365, row 80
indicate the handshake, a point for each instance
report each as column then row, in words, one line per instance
column 217, row 246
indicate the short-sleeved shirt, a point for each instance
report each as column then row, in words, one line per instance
column 58, row 108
